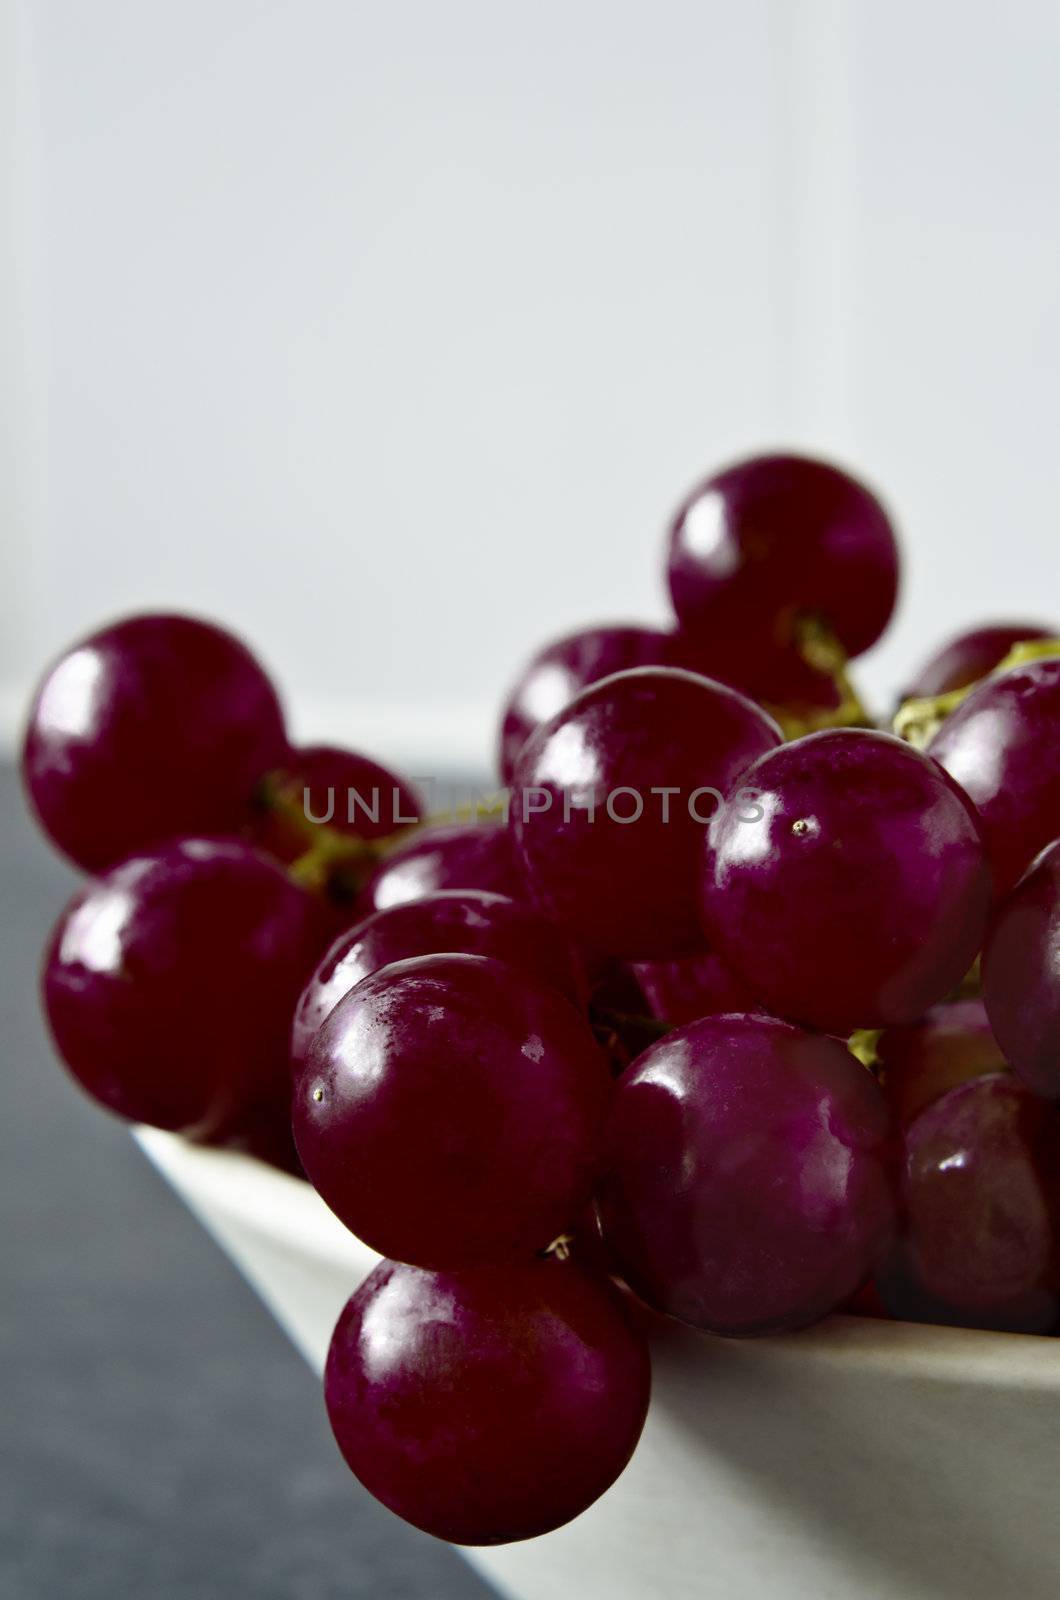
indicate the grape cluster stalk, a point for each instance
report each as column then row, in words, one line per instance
column 743, row 1010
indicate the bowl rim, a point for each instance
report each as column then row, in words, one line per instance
column 286, row 1212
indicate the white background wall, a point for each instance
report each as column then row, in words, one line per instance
column 391, row 333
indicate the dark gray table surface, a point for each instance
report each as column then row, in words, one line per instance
column 158, row 1436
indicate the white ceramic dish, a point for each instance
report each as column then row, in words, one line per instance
column 862, row 1460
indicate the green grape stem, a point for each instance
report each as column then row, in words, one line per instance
column 862, row 1045
column 917, row 720
column 820, row 649
column 332, row 854
column 615, row 1021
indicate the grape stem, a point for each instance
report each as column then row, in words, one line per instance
column 820, row 649
column 918, row 719
column 333, row 856
column 971, row 985
column 862, row 1045
column 614, row 1021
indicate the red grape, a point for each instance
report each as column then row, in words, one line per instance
column 746, row 1186
column 347, row 792
column 457, row 855
column 487, row 1406
column 449, row 1111
column 980, row 1245
column 970, row 656
column 948, row 1045
column 155, row 727
column 860, row 896
column 1002, row 745
column 696, row 986
column 460, row 921
column 169, row 985
column 770, row 541
column 552, row 678
column 611, row 800
column 1021, row 975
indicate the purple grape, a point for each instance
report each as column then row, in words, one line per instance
column 170, row 982
column 746, row 1187
column 458, row 855
column 697, row 986
column 553, row 677
column 970, row 656
column 321, row 785
column 770, row 541
column 1021, row 975
column 948, row 1045
column 859, row 897
column 623, row 881
column 485, row 1407
column 1002, row 745
column 456, row 921
column 980, row 1241
column 449, row 1111
column 156, row 727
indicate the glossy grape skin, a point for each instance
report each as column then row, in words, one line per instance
column 170, row 982
column 950, row 1044
column 963, row 660
column 1021, row 975
column 696, row 986
column 628, row 889
column 767, row 541
column 552, row 678
column 450, row 1109
column 156, row 727
column 1002, row 745
column 459, row 921
column 980, row 1208
column 746, row 1188
column 860, row 897
column 383, row 803
column 486, row 1407
column 457, row 855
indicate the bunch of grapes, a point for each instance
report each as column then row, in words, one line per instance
column 697, row 1029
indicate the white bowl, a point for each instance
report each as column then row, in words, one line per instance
column 863, row 1460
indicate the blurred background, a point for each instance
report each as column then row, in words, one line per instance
column 391, row 334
